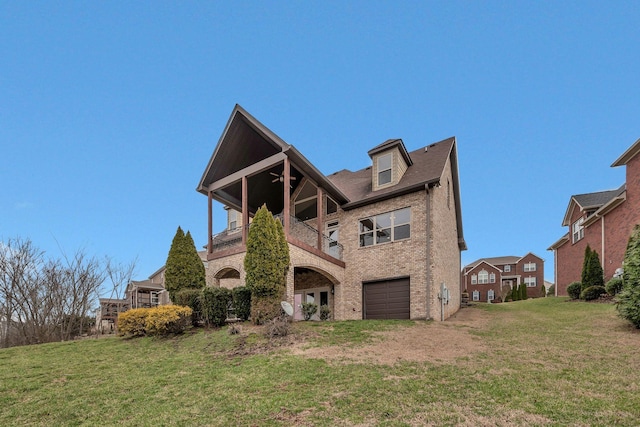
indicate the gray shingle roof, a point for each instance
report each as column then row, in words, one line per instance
column 596, row 200
column 427, row 168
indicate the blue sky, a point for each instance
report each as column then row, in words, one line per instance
column 110, row 111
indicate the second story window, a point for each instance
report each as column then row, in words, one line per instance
column 384, row 169
column 483, row 277
column 492, row 278
column 577, row 230
column 474, row 279
column 530, row 266
column 507, row 268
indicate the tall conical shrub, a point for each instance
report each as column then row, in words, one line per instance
column 183, row 269
column 266, row 263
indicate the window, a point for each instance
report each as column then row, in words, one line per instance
column 491, row 295
column 476, row 296
column 530, row 282
column 330, row 206
column 492, row 278
column 507, row 268
column 384, row 169
column 154, row 298
column 577, row 230
column 387, row 227
column 233, row 219
column 530, row 266
column 474, row 279
column 483, row 277
column 333, row 231
column 306, row 204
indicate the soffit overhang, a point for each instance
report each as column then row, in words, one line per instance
column 249, row 149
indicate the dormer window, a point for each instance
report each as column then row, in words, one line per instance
column 384, row 169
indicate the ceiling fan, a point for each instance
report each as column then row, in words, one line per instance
column 280, row 177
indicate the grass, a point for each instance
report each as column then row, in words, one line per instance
column 547, row 362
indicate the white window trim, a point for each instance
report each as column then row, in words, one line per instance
column 530, row 282
column 577, row 230
column 530, row 266
column 474, row 279
column 481, row 279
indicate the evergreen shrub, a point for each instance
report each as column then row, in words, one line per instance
column 167, row 319
column 132, row 322
column 574, row 290
column 242, row 302
column 162, row 320
column 592, row 292
column 190, row 298
column 614, row 286
column 628, row 299
column 215, row 304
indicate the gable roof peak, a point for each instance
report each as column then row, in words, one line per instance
column 628, row 155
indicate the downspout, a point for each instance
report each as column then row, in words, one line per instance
column 555, row 271
column 604, row 266
column 428, row 252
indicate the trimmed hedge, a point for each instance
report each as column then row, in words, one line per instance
column 592, row 292
column 162, row 320
column 168, row 319
column 132, row 322
column 574, row 290
column 190, row 298
column 215, row 303
column 242, row 302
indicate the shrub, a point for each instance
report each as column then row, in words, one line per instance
column 242, row 302
column 132, row 322
column 279, row 326
column 190, row 298
column 162, row 320
column 574, row 290
column 325, row 312
column 215, row 303
column 308, row 310
column 614, row 286
column 264, row 309
column 551, row 291
column 543, row 291
column 167, row 319
column 592, row 292
column 628, row 299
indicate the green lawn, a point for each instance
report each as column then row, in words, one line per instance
column 545, row 362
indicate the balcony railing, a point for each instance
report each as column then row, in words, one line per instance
column 303, row 232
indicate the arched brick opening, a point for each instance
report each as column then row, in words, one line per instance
column 314, row 286
column 227, row 277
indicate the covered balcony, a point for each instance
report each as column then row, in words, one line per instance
column 252, row 167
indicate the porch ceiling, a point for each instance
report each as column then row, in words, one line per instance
column 248, row 148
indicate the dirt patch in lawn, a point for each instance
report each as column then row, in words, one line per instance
column 436, row 342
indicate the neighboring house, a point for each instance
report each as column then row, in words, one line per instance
column 492, row 279
column 603, row 220
column 376, row 243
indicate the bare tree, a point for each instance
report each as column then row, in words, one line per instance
column 44, row 300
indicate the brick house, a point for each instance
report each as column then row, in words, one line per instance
column 492, row 279
column 375, row 243
column 603, row 220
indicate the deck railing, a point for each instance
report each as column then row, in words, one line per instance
column 300, row 230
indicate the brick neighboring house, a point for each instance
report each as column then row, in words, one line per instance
column 603, row 220
column 375, row 243
column 492, row 279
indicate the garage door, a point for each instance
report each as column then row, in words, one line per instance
column 386, row 300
